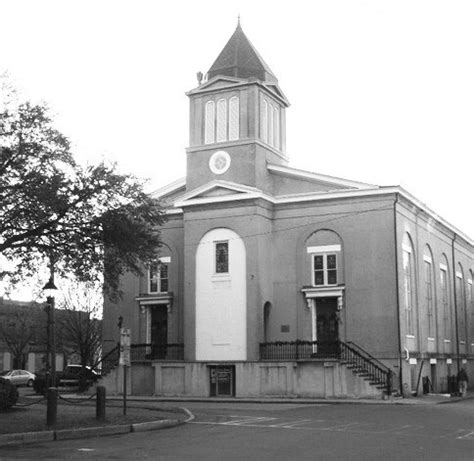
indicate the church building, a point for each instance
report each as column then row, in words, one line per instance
column 274, row 281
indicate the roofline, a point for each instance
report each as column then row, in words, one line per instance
column 175, row 185
column 296, row 173
column 321, row 196
column 264, row 85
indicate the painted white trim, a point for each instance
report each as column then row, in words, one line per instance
column 323, row 249
column 176, row 185
column 459, row 275
column 173, row 211
column 427, row 259
column 323, row 292
column 443, row 267
column 154, row 300
column 303, row 174
column 239, row 142
column 212, row 160
column 318, row 196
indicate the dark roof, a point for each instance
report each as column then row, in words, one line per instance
column 240, row 59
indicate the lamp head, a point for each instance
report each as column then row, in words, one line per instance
column 50, row 288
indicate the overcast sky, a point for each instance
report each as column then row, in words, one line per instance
column 380, row 91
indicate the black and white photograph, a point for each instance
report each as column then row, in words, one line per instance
column 237, row 230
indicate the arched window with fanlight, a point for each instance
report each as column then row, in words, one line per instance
column 409, row 284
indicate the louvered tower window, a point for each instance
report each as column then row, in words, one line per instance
column 234, row 122
column 221, row 120
column 209, row 135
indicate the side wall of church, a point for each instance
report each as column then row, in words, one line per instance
column 369, row 312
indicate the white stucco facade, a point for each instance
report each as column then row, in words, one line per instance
column 221, row 299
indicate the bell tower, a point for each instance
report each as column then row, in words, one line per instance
column 237, row 119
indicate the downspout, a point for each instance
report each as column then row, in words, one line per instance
column 455, row 302
column 400, row 360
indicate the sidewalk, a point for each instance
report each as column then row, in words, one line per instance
column 428, row 399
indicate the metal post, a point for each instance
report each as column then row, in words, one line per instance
column 52, row 391
column 100, row 403
column 124, row 390
column 52, row 406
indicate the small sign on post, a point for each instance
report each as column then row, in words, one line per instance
column 125, row 361
column 124, row 347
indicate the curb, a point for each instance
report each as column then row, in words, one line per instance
column 100, row 431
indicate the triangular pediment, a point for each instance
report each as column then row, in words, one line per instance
column 218, row 191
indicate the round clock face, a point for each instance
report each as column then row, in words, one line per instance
column 219, row 162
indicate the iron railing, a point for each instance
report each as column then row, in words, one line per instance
column 358, row 360
column 145, row 352
column 365, row 365
column 299, row 350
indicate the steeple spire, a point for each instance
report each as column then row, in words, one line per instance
column 240, row 59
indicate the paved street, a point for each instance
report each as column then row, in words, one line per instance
column 235, row 431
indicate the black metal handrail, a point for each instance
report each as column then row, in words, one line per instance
column 354, row 356
column 365, row 366
column 108, row 361
column 369, row 356
column 150, row 351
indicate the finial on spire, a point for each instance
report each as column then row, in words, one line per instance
column 238, row 20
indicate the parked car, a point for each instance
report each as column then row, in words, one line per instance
column 73, row 375
column 19, row 377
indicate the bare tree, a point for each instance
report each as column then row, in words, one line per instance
column 18, row 332
column 81, row 328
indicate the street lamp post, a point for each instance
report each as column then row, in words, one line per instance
column 52, row 392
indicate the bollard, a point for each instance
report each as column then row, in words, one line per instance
column 100, row 403
column 52, row 406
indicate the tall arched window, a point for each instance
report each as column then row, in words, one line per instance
column 221, row 120
column 444, row 280
column 276, row 129
column 209, row 133
column 264, row 121
column 325, row 250
column 429, row 292
column 461, row 304
column 270, row 124
column 409, row 284
column 234, row 122
column 470, row 307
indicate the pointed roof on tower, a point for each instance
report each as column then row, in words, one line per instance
column 240, row 59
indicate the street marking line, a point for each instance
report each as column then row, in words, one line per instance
column 291, row 423
column 468, row 436
column 248, row 421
